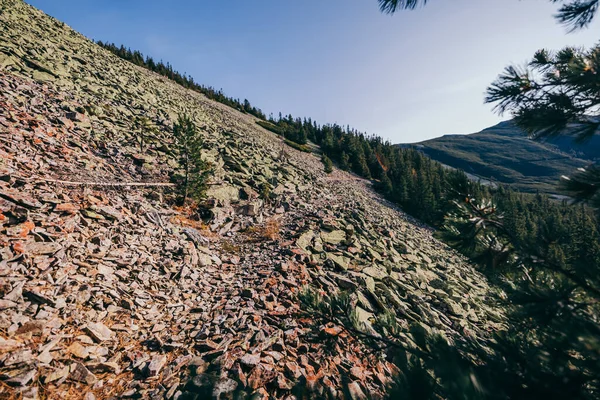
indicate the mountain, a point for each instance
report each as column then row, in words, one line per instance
column 109, row 289
column 504, row 154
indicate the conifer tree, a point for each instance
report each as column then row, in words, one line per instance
column 345, row 161
column 189, row 145
column 143, row 127
column 385, row 185
column 327, row 164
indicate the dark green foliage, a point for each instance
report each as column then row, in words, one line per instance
column 295, row 136
column 294, row 130
column 550, row 347
column 583, row 186
column 297, row 146
column 543, row 255
column 344, row 161
column 405, row 176
column 552, row 272
column 327, row 164
column 556, row 90
column 270, row 127
column 391, row 6
column 556, row 95
column 195, row 171
column 546, row 257
column 167, row 70
column 575, row 14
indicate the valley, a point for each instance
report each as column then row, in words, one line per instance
column 504, row 154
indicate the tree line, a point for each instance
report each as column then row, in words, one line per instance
column 429, row 191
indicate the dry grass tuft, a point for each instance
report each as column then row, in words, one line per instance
column 268, row 231
column 230, row 247
column 184, row 219
column 271, row 229
column 8, row 393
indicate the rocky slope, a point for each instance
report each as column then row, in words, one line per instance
column 110, row 291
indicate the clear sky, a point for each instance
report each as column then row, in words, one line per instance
column 408, row 77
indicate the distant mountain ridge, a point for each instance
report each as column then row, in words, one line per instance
column 503, row 153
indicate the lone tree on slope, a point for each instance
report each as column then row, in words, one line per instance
column 189, row 144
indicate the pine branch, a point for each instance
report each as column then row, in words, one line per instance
column 391, row 6
column 577, row 14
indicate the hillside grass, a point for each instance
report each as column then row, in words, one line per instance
column 302, row 147
column 504, row 156
column 270, row 127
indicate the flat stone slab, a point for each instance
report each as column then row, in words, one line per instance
column 376, row 272
column 334, row 237
column 99, row 332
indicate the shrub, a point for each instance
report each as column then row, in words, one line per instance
column 327, row 163
column 301, row 147
column 270, row 127
column 265, row 192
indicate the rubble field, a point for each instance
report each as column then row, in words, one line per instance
column 108, row 290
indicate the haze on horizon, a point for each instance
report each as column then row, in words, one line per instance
column 407, row 77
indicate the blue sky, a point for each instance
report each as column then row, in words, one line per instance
column 408, row 77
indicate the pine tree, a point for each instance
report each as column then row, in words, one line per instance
column 345, row 161
column 143, row 127
column 189, row 144
column 327, row 164
column 385, row 185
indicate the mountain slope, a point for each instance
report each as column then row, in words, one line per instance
column 111, row 291
column 504, row 154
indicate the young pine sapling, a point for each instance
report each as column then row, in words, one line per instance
column 189, row 145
